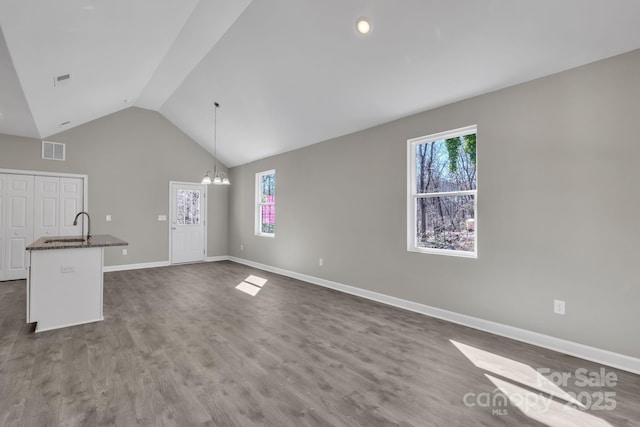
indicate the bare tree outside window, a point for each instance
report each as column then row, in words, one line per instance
column 188, row 209
column 444, row 191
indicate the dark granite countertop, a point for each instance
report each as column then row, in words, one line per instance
column 73, row 242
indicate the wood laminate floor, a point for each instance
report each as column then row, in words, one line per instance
column 180, row 346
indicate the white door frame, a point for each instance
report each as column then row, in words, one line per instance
column 170, row 216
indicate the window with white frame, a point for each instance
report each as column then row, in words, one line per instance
column 442, row 193
column 266, row 203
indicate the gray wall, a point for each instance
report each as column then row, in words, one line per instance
column 130, row 157
column 558, row 208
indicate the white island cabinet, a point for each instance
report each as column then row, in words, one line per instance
column 64, row 281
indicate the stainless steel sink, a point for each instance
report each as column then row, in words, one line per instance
column 69, row 240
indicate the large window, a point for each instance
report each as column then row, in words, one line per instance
column 442, row 200
column 266, row 203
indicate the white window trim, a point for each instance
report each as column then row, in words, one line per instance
column 413, row 196
column 258, row 193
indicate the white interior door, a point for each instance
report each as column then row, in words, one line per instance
column 46, row 215
column 57, row 201
column 188, row 222
column 71, row 202
column 18, row 220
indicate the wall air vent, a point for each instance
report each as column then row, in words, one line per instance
column 61, row 80
column 53, row 150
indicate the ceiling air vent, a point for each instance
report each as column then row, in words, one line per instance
column 53, row 150
column 61, row 80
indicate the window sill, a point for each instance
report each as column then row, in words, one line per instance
column 446, row 252
column 265, row 235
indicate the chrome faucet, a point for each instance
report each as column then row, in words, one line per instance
column 75, row 222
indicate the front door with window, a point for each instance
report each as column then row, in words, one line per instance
column 188, row 215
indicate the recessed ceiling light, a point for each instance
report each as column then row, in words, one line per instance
column 363, row 25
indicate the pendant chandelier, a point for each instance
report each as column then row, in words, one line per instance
column 216, row 177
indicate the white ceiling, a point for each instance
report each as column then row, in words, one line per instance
column 287, row 73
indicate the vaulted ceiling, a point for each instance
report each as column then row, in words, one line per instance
column 287, row 73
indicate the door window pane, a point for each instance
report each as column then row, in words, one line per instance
column 188, row 209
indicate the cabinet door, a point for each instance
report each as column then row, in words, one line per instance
column 18, row 217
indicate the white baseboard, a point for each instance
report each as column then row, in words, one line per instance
column 123, row 267
column 39, row 328
column 605, row 357
column 217, row 258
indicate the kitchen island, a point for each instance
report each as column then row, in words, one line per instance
column 65, row 280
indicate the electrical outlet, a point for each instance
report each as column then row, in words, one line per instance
column 124, row 252
column 242, row 247
column 108, row 218
column 558, row 306
column 321, row 262
column 67, row 269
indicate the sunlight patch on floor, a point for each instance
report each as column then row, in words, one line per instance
column 550, row 405
column 251, row 285
column 513, row 370
column 545, row 410
column 255, row 280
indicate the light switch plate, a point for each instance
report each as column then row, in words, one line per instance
column 108, row 218
column 162, row 217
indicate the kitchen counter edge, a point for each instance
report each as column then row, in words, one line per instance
column 96, row 241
